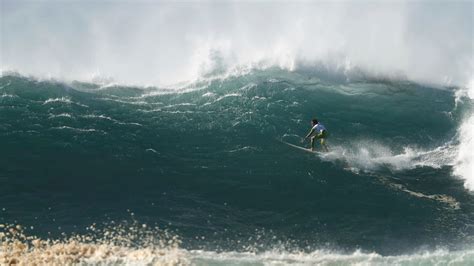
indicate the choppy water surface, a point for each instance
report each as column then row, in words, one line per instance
column 115, row 174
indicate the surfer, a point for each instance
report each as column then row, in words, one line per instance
column 321, row 133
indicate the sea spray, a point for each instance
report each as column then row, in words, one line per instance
column 114, row 244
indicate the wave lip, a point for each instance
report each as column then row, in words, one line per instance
column 397, row 38
column 464, row 162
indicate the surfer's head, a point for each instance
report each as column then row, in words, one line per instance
column 314, row 121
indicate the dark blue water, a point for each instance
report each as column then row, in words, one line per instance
column 205, row 162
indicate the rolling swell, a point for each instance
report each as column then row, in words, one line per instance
column 206, row 162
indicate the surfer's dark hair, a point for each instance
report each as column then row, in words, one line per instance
column 314, row 120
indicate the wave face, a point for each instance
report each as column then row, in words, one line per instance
column 205, row 162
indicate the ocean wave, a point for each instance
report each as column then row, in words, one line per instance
column 244, row 149
column 52, row 116
column 326, row 257
column 131, row 102
column 64, row 100
column 5, row 95
column 393, row 147
column 80, row 130
column 104, row 117
column 139, row 244
column 464, row 161
column 178, row 105
column 209, row 46
column 220, row 98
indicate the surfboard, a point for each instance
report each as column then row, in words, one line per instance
column 300, row 148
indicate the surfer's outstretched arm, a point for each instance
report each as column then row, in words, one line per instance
column 307, row 136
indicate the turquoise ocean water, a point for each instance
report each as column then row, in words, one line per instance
column 204, row 164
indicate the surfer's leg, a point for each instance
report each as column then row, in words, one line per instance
column 312, row 142
column 322, row 136
column 323, row 144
